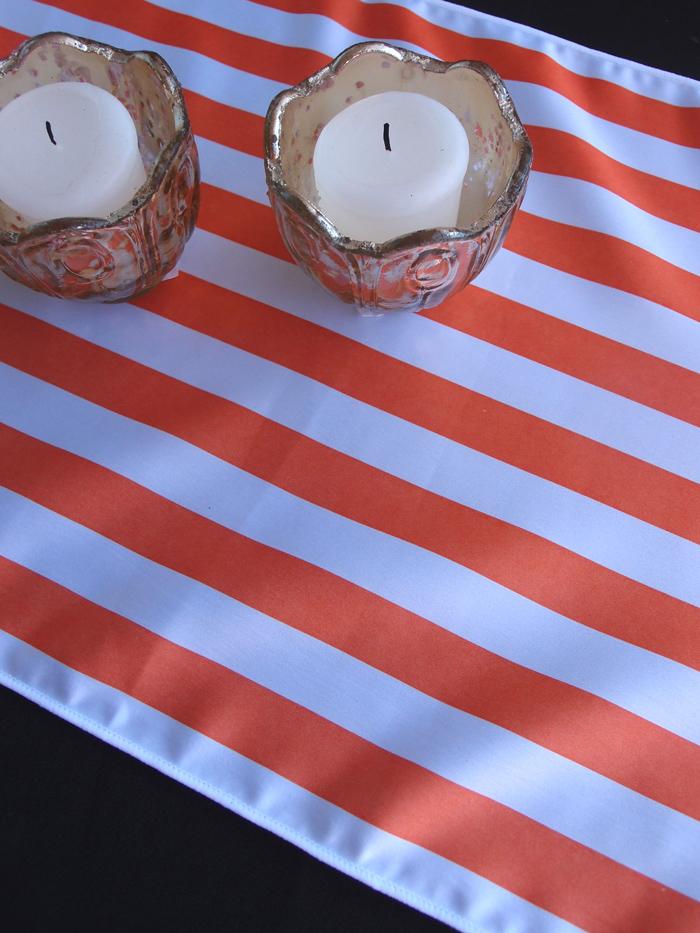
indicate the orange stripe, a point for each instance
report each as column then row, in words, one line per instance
column 525, row 563
column 240, row 220
column 533, row 444
column 528, row 859
column 226, row 125
column 605, row 738
column 559, row 153
column 570, row 349
column 514, row 63
column 9, row 40
column 609, row 260
column 501, row 321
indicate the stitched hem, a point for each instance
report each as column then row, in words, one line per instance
column 324, row 854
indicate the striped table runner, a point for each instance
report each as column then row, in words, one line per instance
column 420, row 594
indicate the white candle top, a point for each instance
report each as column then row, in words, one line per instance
column 390, row 164
column 68, row 150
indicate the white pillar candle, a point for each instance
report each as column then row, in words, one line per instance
column 68, row 150
column 391, row 164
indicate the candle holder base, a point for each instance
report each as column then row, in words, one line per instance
column 420, row 269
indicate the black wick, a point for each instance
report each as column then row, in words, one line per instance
column 387, row 144
column 48, row 130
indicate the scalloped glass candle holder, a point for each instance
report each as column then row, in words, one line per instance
column 421, row 269
column 130, row 251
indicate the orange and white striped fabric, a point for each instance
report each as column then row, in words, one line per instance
column 420, row 594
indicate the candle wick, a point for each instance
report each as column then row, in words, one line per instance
column 50, row 132
column 387, row 144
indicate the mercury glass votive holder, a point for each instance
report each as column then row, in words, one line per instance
column 130, row 251
column 420, row 269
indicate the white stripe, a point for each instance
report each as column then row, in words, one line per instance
column 642, row 79
column 618, row 315
column 386, row 862
column 481, row 367
column 232, row 170
column 446, row 593
column 592, row 207
column 587, row 527
column 537, row 105
column 473, row 753
column 564, row 200
column 540, row 106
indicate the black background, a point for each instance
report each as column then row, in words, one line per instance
column 91, row 839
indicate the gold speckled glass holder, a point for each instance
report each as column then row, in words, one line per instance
column 420, row 269
column 116, row 258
